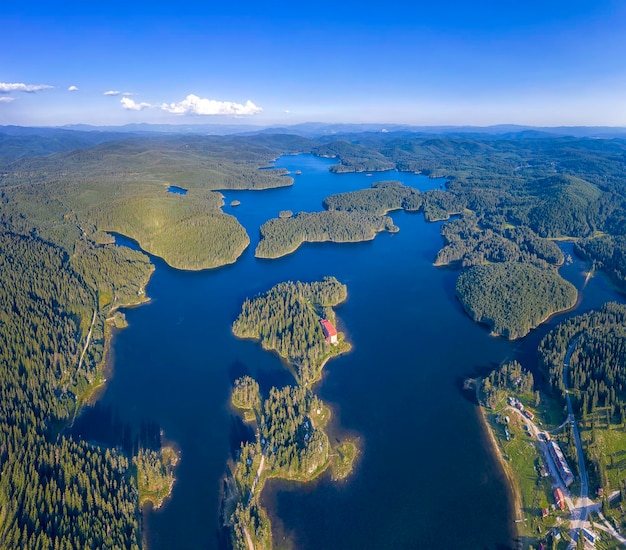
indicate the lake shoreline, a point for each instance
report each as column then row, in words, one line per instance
column 515, row 495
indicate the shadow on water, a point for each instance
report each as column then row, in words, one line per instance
column 240, row 433
column 465, row 385
column 103, row 424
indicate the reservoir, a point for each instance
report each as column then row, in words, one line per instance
column 425, row 477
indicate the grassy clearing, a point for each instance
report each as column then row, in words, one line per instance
column 342, row 460
column 523, row 457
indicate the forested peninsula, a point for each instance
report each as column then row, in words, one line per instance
column 291, row 442
column 281, row 236
column 513, row 298
column 286, row 319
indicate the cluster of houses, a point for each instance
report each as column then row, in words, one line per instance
column 565, row 472
column 513, row 402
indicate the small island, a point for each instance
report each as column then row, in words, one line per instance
column 513, row 298
column 291, row 443
column 235, row 203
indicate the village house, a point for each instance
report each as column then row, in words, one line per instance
column 329, row 331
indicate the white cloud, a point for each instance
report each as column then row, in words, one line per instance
column 131, row 105
column 6, row 99
column 112, row 92
column 195, row 105
column 72, row 89
column 128, row 94
column 20, row 87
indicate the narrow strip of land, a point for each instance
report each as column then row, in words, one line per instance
column 256, row 478
column 93, row 322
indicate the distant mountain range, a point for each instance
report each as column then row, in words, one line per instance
column 321, row 129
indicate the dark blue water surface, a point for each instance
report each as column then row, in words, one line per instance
column 425, row 478
column 176, row 190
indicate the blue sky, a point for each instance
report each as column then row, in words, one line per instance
column 440, row 63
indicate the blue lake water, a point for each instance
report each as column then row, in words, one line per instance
column 176, row 190
column 425, row 479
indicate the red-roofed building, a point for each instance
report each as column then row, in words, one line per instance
column 329, row 331
column 558, row 497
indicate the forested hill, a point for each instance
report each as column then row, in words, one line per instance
column 524, row 179
column 121, row 186
column 286, row 319
column 513, row 298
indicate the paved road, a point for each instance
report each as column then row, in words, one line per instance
column 606, row 526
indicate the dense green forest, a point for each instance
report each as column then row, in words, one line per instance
column 597, row 368
column 286, row 319
column 470, row 242
column 353, row 157
column 513, row 298
column 121, row 186
column 379, row 199
column 54, row 492
column 188, row 232
column 596, row 379
column 281, row 236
